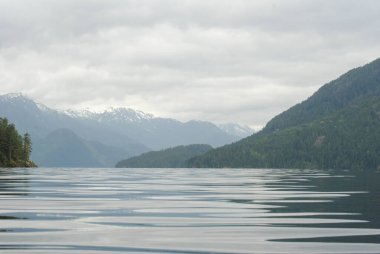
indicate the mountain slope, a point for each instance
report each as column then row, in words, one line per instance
column 169, row 158
column 63, row 148
column 355, row 85
column 337, row 127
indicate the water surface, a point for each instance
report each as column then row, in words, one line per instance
column 188, row 211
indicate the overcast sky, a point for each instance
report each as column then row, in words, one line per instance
column 221, row 61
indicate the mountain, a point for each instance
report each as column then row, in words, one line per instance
column 64, row 148
column 337, row 127
column 160, row 133
column 125, row 131
column 40, row 121
column 175, row 157
column 237, row 130
column 357, row 84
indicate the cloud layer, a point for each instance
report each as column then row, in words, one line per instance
column 223, row 61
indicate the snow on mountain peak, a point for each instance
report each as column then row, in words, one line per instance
column 13, row 95
column 17, row 98
column 110, row 114
column 42, row 107
column 126, row 114
column 236, row 129
column 84, row 113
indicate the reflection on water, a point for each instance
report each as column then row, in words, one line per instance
column 13, row 182
column 188, row 211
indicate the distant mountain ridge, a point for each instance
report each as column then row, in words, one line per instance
column 238, row 130
column 125, row 131
column 175, row 157
column 154, row 131
column 337, row 127
column 121, row 114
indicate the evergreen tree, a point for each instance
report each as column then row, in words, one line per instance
column 15, row 150
column 27, row 147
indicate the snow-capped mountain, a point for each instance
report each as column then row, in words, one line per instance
column 155, row 132
column 111, row 114
column 12, row 96
column 85, row 113
column 238, row 130
column 123, row 115
column 123, row 131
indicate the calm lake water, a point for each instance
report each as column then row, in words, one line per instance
column 188, row 211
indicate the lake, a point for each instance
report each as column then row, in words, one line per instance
column 188, row 211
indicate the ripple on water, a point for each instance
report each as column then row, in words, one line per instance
column 188, row 211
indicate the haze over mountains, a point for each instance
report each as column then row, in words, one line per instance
column 90, row 139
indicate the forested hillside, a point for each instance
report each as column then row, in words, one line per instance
column 175, row 157
column 14, row 149
column 357, row 84
column 338, row 127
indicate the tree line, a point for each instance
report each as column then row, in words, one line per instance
column 15, row 149
column 349, row 139
column 174, row 157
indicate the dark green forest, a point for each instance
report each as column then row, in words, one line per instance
column 338, row 127
column 175, row 157
column 15, row 149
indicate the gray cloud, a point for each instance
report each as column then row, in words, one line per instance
column 224, row 61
